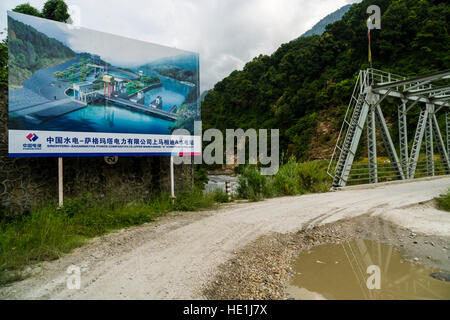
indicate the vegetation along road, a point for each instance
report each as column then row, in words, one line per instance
column 179, row 255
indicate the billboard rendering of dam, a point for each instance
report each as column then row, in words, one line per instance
column 79, row 92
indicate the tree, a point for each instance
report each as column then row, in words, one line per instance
column 26, row 8
column 4, row 63
column 309, row 80
column 82, row 76
column 56, row 10
column 58, row 74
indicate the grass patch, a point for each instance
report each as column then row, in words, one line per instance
column 191, row 201
column 49, row 232
column 443, row 202
column 220, row 196
column 293, row 178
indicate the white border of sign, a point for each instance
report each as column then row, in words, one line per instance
column 24, row 143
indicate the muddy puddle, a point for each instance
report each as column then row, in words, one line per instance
column 363, row 269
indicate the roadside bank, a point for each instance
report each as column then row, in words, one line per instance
column 265, row 268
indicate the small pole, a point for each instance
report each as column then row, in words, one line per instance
column 60, row 182
column 228, row 189
column 172, row 181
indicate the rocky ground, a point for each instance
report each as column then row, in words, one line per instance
column 262, row 269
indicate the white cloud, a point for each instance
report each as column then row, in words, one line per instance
column 226, row 33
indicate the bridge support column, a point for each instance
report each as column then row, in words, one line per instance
column 403, row 138
column 388, row 144
column 447, row 132
column 418, row 138
column 358, row 125
column 429, row 141
column 351, row 141
column 441, row 145
column 372, row 146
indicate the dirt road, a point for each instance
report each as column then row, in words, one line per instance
column 176, row 257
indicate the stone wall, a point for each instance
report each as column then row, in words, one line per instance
column 27, row 182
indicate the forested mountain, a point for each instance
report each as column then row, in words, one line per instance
column 31, row 50
column 183, row 67
column 186, row 61
column 319, row 27
column 304, row 87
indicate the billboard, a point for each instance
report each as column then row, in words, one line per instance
column 79, row 92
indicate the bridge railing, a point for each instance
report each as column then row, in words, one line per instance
column 359, row 173
column 379, row 77
column 383, row 77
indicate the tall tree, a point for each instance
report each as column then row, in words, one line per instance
column 56, row 10
column 304, row 87
column 4, row 63
column 53, row 9
column 26, row 8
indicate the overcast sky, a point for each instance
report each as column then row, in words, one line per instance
column 226, row 33
column 119, row 51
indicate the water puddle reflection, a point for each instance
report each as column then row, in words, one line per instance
column 340, row 271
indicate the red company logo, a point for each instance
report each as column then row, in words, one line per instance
column 32, row 137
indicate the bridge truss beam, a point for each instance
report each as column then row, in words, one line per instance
column 443, row 151
column 403, row 137
column 372, row 146
column 429, row 145
column 447, row 132
column 388, row 144
column 371, row 88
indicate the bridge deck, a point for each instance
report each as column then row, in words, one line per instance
column 143, row 108
column 46, row 111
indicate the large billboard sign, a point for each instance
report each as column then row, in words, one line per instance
column 79, row 92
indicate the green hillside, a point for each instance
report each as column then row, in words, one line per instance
column 304, row 87
column 31, row 50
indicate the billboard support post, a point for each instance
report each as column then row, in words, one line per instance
column 172, row 182
column 60, row 182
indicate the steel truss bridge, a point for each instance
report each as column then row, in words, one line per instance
column 430, row 93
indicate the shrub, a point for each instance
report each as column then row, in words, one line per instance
column 443, row 202
column 312, row 177
column 200, row 177
column 285, row 181
column 253, row 185
column 77, row 205
column 292, row 178
column 191, row 201
column 220, row 196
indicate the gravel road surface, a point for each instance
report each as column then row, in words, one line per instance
column 174, row 258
